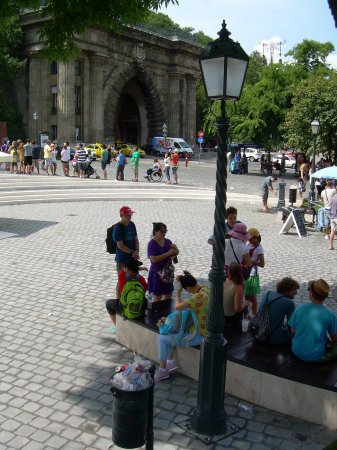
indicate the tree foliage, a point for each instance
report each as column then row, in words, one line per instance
column 10, row 66
column 73, row 17
column 164, row 24
column 314, row 98
column 311, row 54
column 278, row 101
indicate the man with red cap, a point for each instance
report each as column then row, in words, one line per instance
column 125, row 236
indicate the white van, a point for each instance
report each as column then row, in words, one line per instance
column 162, row 146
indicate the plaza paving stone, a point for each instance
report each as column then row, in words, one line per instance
column 57, row 354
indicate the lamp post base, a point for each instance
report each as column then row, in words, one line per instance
column 208, row 440
column 209, row 417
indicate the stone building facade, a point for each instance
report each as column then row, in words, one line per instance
column 120, row 88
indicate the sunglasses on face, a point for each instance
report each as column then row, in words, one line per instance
column 163, row 231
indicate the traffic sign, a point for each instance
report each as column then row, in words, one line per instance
column 200, row 140
column 200, row 134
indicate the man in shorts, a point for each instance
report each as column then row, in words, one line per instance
column 125, row 236
column 28, row 149
column 135, row 163
column 174, row 166
column 267, row 187
column 47, row 154
column 81, row 155
column 36, row 157
column 326, row 196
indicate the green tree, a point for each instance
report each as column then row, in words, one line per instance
column 10, row 67
column 68, row 18
column 314, row 98
column 164, row 24
column 257, row 62
column 259, row 115
column 311, row 54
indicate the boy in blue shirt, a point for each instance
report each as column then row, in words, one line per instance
column 310, row 325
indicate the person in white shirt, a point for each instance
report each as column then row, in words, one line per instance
column 326, row 196
column 236, row 250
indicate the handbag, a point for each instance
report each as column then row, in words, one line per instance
column 245, row 270
column 179, row 324
column 259, row 325
column 166, row 274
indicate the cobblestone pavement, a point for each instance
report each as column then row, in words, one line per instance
column 56, row 351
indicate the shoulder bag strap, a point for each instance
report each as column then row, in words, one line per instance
column 275, row 328
column 230, row 241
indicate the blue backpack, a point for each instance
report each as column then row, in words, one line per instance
column 179, row 324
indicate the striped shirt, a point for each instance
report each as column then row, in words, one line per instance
column 81, row 155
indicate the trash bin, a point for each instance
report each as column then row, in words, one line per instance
column 132, row 388
column 129, row 417
column 292, row 194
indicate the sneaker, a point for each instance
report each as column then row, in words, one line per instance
column 112, row 329
column 171, row 366
column 327, row 237
column 161, row 374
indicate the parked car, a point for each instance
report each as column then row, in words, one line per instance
column 148, row 148
column 290, row 161
column 128, row 149
column 95, row 150
column 253, row 154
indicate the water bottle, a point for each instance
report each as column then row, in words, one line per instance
column 245, row 408
column 149, row 300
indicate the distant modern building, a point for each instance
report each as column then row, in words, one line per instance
column 121, row 88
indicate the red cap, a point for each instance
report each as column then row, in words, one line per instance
column 126, row 211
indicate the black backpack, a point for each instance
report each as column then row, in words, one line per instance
column 111, row 245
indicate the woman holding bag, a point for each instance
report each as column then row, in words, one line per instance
column 161, row 251
column 198, row 302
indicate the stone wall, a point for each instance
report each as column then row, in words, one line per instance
column 157, row 73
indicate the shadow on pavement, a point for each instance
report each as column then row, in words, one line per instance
column 23, row 227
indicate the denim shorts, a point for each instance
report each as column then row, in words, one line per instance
column 81, row 166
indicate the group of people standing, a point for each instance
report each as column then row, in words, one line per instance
column 163, row 254
column 25, row 157
column 310, row 329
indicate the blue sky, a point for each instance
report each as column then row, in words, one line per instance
column 252, row 22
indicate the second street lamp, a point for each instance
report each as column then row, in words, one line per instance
column 315, row 125
column 36, row 118
column 223, row 65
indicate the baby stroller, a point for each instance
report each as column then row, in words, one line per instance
column 89, row 170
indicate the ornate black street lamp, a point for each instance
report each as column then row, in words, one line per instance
column 223, row 65
column 315, row 131
column 36, row 118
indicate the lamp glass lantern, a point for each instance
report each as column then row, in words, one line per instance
column 315, row 126
column 223, row 65
column 36, row 116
